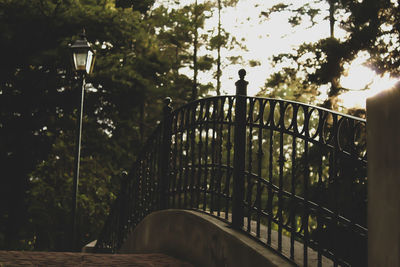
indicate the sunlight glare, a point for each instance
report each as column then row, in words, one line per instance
column 363, row 82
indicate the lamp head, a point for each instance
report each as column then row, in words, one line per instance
column 82, row 55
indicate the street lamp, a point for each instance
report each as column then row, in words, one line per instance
column 83, row 61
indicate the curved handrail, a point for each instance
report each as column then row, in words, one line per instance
column 304, row 174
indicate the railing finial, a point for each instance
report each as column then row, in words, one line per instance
column 167, row 105
column 242, row 73
column 241, row 85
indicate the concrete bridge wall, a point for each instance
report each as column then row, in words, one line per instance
column 200, row 239
column 383, row 146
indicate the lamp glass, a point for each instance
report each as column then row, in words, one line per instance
column 89, row 62
column 80, row 58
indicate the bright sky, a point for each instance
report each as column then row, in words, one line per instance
column 265, row 38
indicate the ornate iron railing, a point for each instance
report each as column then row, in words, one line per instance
column 290, row 175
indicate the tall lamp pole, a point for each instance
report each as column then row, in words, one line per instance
column 83, row 61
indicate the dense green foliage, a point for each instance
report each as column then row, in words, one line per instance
column 141, row 50
column 39, row 96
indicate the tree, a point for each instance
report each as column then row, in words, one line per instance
column 137, row 5
column 220, row 40
column 286, row 84
column 370, row 25
column 38, row 97
column 180, row 39
column 198, row 16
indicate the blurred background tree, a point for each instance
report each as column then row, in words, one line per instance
column 369, row 26
column 38, row 102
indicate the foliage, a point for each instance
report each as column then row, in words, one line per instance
column 371, row 26
column 220, row 40
column 39, row 97
column 139, row 5
column 178, row 33
column 143, row 54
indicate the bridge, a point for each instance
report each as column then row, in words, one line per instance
column 296, row 170
column 284, row 178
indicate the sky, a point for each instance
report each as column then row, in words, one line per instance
column 263, row 39
column 267, row 37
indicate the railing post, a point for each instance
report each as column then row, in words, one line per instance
column 164, row 156
column 239, row 152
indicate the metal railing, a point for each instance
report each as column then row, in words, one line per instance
column 288, row 174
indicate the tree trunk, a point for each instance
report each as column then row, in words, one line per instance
column 331, row 102
column 332, row 18
column 195, row 44
column 219, row 50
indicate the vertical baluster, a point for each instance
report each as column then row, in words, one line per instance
column 320, row 194
column 186, row 130
column 122, row 202
column 175, row 162
column 142, row 191
column 131, row 191
column 200, row 155
column 126, row 187
column 281, row 162
column 306, row 173
column 145, row 187
column 270, row 172
column 139, row 190
column 250, row 166
column 181, row 165
column 154, row 169
column 260, row 155
column 206, row 165
column 148, row 183
column 164, row 159
column 213, row 155
column 333, row 178
column 239, row 152
column 293, row 224
column 155, row 198
column 133, row 210
column 219, row 153
column 228, row 158
column 192, row 154
column 143, row 199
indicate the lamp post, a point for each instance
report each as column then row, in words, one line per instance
column 83, row 61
